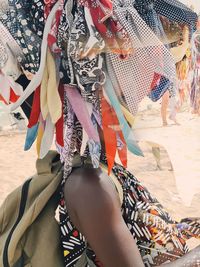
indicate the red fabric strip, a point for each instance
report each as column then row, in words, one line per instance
column 35, row 111
column 60, row 122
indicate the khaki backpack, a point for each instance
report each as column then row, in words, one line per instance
column 29, row 232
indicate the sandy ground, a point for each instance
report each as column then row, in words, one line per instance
column 182, row 144
column 15, row 164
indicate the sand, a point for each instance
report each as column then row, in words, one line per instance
column 15, row 164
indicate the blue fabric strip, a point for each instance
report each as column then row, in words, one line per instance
column 126, row 130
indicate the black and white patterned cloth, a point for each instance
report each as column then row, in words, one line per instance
column 25, row 22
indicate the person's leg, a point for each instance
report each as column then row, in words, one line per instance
column 164, row 105
column 173, row 109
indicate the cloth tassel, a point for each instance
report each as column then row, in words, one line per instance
column 81, row 112
column 111, row 146
column 84, row 142
column 60, row 122
column 35, row 110
column 53, row 97
column 128, row 116
column 122, row 151
column 47, row 138
column 49, row 97
column 31, row 135
column 111, row 128
column 39, row 137
column 126, row 130
column 43, row 93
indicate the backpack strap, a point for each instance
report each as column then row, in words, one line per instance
column 48, row 163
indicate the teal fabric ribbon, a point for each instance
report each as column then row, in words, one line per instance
column 31, row 136
column 126, row 129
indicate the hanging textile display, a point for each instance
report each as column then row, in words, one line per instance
column 75, row 45
column 91, row 64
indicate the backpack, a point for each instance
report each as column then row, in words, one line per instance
column 29, row 232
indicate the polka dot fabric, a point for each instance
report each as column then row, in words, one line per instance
column 3, row 55
column 134, row 75
column 150, row 55
column 159, row 90
column 176, row 11
column 26, row 30
column 6, row 37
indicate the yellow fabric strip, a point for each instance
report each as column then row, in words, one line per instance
column 53, row 97
column 49, row 97
column 129, row 117
column 39, row 139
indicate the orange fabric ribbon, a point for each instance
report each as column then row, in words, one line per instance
column 13, row 97
column 111, row 128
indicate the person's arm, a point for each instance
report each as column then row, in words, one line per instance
column 94, row 208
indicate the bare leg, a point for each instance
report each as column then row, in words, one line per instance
column 173, row 110
column 164, row 105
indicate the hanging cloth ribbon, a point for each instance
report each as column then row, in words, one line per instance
column 81, row 112
column 33, row 124
column 31, row 136
column 126, row 130
column 35, row 110
column 60, row 122
column 79, row 107
column 49, row 97
column 47, row 138
column 39, row 136
column 111, row 129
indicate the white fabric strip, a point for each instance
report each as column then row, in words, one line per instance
column 47, row 138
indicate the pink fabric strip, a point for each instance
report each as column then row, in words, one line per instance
column 82, row 114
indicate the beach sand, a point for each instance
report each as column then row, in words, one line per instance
column 16, row 165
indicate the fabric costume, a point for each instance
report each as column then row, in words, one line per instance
column 93, row 62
